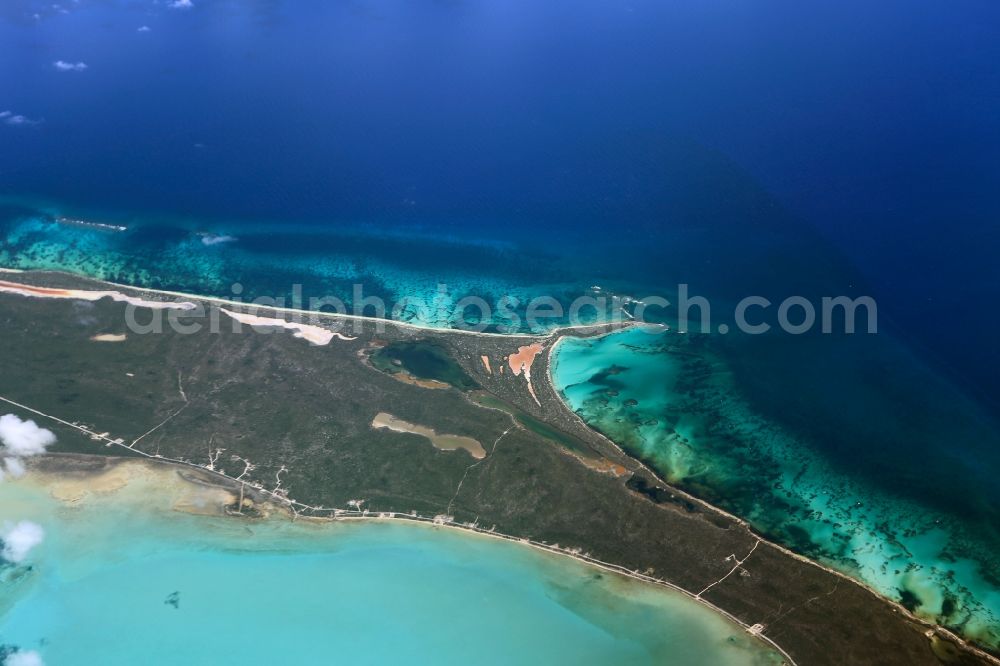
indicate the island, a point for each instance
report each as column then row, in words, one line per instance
column 324, row 417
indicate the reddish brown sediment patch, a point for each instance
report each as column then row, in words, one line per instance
column 26, row 290
column 605, row 466
column 520, row 363
column 522, row 360
column 486, row 364
column 86, row 295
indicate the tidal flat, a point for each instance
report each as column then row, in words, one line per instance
column 141, row 565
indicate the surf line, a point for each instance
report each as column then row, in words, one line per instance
column 555, row 332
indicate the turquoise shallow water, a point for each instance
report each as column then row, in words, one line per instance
column 98, row 590
column 292, row 264
column 672, row 401
column 849, row 449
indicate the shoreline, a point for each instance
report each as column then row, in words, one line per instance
column 302, row 510
column 281, row 508
column 932, row 626
column 216, row 300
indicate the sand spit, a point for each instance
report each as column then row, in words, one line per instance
column 86, row 295
column 521, row 361
column 315, row 334
column 443, row 442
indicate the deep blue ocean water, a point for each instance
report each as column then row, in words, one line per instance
column 872, row 124
column 532, row 148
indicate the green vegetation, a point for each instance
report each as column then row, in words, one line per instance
column 301, row 415
column 423, row 359
column 536, row 426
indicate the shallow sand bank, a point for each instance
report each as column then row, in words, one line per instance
column 126, row 568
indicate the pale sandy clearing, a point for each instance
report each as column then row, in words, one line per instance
column 110, row 337
column 314, row 334
column 443, row 442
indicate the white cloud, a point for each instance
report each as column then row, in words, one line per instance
column 181, row 4
column 15, row 467
column 24, row 658
column 64, row 66
column 20, row 539
column 18, row 119
column 12, row 118
column 143, row 28
column 24, row 438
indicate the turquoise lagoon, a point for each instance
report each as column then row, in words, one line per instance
column 675, row 401
column 123, row 578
